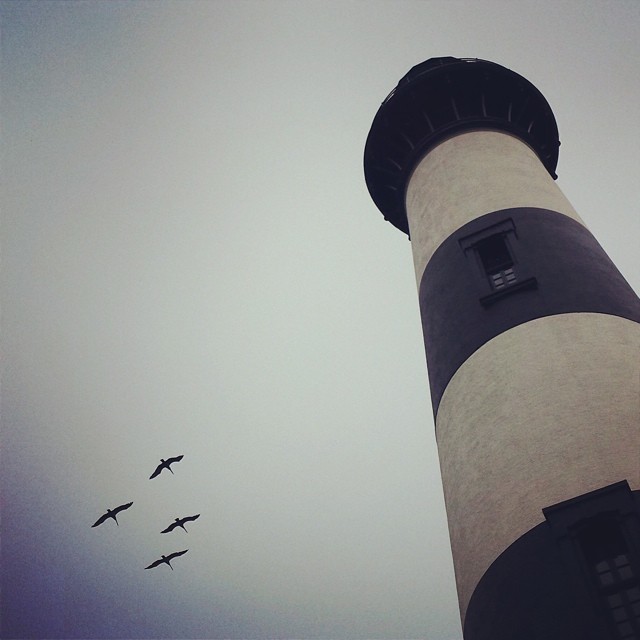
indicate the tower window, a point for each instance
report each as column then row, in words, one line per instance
column 608, row 561
column 496, row 260
column 597, row 534
column 492, row 253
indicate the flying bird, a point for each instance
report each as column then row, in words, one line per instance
column 167, row 559
column 112, row 513
column 180, row 523
column 165, row 464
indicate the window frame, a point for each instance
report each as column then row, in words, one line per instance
column 512, row 282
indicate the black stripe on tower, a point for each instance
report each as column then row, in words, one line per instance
column 574, row 577
column 506, row 268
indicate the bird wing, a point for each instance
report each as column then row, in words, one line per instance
column 156, row 472
column 155, row 564
column 100, row 520
column 191, row 518
column 176, row 554
column 171, row 527
column 176, row 459
column 122, row 507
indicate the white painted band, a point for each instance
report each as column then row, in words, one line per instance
column 468, row 176
column 544, row 412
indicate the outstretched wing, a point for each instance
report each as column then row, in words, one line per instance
column 171, row 527
column 156, row 472
column 176, row 459
column 176, row 554
column 122, row 507
column 191, row 518
column 155, row 564
column 100, row 520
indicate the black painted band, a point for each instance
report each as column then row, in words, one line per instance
column 540, row 586
column 461, row 312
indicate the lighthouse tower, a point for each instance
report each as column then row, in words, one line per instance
column 532, row 338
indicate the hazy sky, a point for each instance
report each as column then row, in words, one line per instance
column 191, row 264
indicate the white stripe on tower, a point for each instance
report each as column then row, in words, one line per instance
column 544, row 412
column 469, row 175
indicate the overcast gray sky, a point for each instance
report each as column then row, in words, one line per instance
column 192, row 265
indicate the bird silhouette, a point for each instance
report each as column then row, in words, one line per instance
column 180, row 523
column 165, row 464
column 112, row 513
column 167, row 559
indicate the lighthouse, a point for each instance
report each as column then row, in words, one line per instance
column 532, row 341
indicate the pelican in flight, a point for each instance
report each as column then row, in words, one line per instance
column 167, row 559
column 165, row 464
column 112, row 513
column 180, row 523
